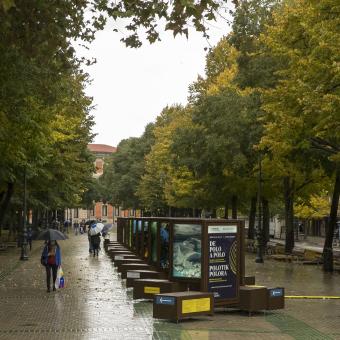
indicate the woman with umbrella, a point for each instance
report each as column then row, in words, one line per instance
column 51, row 254
column 94, row 233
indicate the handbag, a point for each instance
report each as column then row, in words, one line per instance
column 60, row 280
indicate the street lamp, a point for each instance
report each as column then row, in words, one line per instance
column 24, row 255
column 259, row 229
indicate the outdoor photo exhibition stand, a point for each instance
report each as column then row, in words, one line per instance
column 189, row 266
column 205, row 255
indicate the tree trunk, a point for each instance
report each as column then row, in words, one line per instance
column 289, row 214
column 214, row 213
column 226, row 208
column 11, row 226
column 328, row 246
column 266, row 220
column 234, row 207
column 252, row 218
column 5, row 203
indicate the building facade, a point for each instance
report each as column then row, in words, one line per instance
column 100, row 210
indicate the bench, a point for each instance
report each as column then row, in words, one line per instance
column 179, row 305
column 312, row 257
column 285, row 258
column 3, row 246
column 132, row 275
column 124, row 268
column 6, row 245
column 123, row 256
column 11, row 244
column 147, row 288
column 113, row 254
column 259, row 298
column 119, row 262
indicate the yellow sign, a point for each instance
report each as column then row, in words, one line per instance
column 152, row 290
column 196, row 305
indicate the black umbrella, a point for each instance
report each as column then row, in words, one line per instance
column 51, row 235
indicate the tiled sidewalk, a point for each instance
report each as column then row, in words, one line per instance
column 96, row 304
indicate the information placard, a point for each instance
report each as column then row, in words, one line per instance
column 195, row 305
column 133, row 275
column 165, row 300
column 222, row 280
column 152, row 290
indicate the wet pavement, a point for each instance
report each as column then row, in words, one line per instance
column 95, row 303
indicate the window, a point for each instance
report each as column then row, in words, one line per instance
column 99, row 166
column 104, row 210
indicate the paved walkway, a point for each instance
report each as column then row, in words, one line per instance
column 301, row 245
column 96, row 304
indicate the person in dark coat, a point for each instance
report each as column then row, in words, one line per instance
column 95, row 241
column 29, row 237
column 51, row 259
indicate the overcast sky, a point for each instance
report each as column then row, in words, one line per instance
column 130, row 87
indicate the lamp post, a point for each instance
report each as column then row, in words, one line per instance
column 24, row 255
column 259, row 229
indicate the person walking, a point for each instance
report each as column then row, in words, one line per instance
column 51, row 259
column 82, row 227
column 76, row 227
column 30, row 237
column 90, row 240
column 95, row 241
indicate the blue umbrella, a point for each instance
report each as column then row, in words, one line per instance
column 96, row 228
column 106, row 228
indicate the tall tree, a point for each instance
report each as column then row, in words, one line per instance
column 303, row 109
column 123, row 173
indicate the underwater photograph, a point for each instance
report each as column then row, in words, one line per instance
column 187, row 251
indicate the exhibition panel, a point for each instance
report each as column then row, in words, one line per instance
column 179, row 259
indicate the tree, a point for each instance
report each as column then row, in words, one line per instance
column 303, row 109
column 228, row 118
column 45, row 122
column 141, row 17
column 123, row 173
column 256, row 70
column 156, row 177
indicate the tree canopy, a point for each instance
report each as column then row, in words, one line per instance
column 270, row 93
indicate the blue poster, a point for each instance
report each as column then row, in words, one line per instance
column 223, row 267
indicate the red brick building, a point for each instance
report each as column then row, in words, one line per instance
column 101, row 211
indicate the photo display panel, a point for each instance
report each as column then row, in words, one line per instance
column 154, row 242
column 139, row 236
column 222, row 267
column 145, row 239
column 164, row 240
column 134, row 230
column 187, row 251
column 130, row 233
